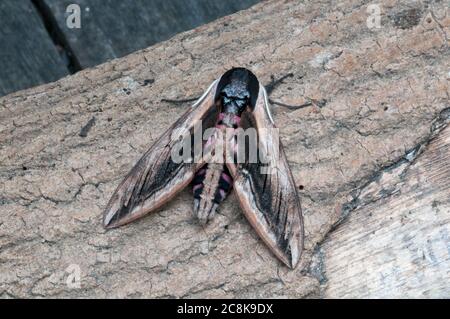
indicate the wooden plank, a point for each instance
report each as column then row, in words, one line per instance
column 398, row 246
column 384, row 94
column 28, row 56
column 114, row 28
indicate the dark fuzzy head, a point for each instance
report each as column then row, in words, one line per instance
column 238, row 88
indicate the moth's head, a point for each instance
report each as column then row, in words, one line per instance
column 237, row 89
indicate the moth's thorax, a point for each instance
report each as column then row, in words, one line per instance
column 235, row 96
column 228, row 120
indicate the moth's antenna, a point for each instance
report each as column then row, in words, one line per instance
column 201, row 98
column 266, row 104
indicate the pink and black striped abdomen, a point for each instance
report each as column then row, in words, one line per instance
column 222, row 188
column 211, row 185
column 213, row 182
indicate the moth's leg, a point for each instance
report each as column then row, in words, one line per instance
column 181, row 101
column 274, row 83
column 318, row 103
column 291, row 107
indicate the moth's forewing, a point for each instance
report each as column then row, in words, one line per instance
column 269, row 199
column 157, row 177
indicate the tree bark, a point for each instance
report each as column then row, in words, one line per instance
column 367, row 152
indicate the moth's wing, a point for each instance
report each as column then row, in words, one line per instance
column 156, row 177
column 269, row 201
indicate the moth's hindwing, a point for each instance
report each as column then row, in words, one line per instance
column 269, row 199
column 156, row 177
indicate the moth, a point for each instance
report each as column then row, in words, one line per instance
column 264, row 186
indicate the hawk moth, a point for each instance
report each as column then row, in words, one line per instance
column 269, row 200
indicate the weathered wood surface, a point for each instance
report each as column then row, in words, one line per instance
column 384, row 94
column 114, row 28
column 397, row 242
column 28, row 56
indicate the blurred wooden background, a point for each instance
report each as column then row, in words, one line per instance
column 39, row 47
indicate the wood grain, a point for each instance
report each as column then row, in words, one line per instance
column 384, row 96
column 397, row 244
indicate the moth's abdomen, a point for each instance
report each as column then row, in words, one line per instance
column 211, row 185
column 198, row 182
column 224, row 186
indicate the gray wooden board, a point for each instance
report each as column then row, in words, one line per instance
column 28, row 56
column 398, row 245
column 114, row 28
column 387, row 97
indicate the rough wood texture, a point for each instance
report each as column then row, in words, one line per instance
column 383, row 96
column 27, row 55
column 114, row 28
column 397, row 242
